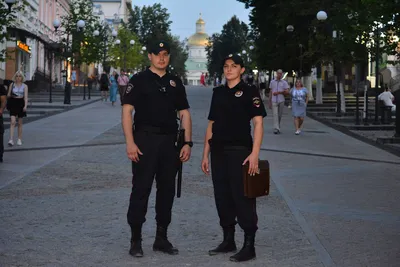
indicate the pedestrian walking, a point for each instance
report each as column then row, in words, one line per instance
column 17, row 103
column 261, row 81
column 113, row 87
column 123, row 81
column 299, row 95
column 228, row 139
column 3, row 100
column 278, row 89
column 104, row 85
column 157, row 97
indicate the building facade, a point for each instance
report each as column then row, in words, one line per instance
column 196, row 63
column 32, row 34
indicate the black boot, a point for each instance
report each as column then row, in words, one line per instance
column 136, row 242
column 227, row 245
column 162, row 244
column 248, row 250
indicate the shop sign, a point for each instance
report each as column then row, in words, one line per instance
column 24, row 47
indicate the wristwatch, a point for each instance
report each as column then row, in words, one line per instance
column 190, row 143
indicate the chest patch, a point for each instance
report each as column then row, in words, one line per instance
column 172, row 83
column 256, row 102
column 239, row 93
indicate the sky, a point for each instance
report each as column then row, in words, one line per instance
column 184, row 13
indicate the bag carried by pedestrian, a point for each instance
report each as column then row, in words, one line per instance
column 257, row 185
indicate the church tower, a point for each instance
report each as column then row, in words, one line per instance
column 197, row 59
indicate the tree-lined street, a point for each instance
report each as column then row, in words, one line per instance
column 64, row 195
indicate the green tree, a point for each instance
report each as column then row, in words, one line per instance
column 125, row 55
column 232, row 40
column 179, row 55
column 151, row 23
column 81, row 43
column 7, row 18
column 352, row 20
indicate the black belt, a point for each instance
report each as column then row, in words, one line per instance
column 227, row 146
column 153, row 129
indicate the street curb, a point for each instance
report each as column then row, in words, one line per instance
column 345, row 130
column 52, row 113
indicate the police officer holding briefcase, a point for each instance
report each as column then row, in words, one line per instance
column 228, row 139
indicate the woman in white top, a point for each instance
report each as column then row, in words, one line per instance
column 17, row 103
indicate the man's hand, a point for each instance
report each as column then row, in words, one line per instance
column 276, row 93
column 24, row 109
column 184, row 155
column 205, row 165
column 133, row 152
column 252, row 159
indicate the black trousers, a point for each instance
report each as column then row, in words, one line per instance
column 1, row 137
column 159, row 160
column 226, row 168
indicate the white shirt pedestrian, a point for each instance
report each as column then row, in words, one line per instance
column 278, row 89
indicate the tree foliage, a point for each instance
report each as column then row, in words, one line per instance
column 233, row 39
column 82, row 45
column 7, row 18
column 151, row 23
column 352, row 20
column 125, row 55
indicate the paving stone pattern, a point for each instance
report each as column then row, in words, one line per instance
column 322, row 211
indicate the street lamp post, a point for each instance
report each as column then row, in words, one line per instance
column 67, row 89
column 377, row 44
column 125, row 48
column 10, row 3
column 357, row 97
column 322, row 17
column 290, row 29
column 80, row 25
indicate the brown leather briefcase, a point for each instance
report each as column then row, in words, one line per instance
column 257, row 185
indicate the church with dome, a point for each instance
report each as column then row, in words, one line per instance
column 196, row 63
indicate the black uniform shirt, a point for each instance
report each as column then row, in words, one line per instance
column 156, row 99
column 232, row 110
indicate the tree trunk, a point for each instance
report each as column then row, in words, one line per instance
column 307, row 82
column 319, row 85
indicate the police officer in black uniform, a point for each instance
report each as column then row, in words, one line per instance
column 157, row 98
column 228, row 138
column 3, row 100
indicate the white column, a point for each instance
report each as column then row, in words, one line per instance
column 307, row 82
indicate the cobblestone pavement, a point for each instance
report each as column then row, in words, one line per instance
column 334, row 200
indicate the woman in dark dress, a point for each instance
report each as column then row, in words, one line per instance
column 104, row 85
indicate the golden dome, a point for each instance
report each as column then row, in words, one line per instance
column 198, row 39
column 200, row 21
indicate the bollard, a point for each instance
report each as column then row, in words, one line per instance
column 366, row 106
column 84, row 90
column 338, row 103
column 67, row 93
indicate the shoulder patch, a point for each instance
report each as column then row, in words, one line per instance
column 256, row 102
column 172, row 83
column 129, row 88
